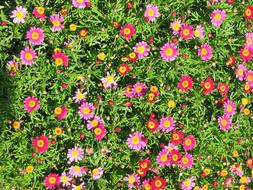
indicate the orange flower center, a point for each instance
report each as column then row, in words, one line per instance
column 52, row 180
column 188, row 142
column 164, row 158
column 207, row 85
column 175, row 136
column 158, row 183
column 40, row 143
column 94, row 123
column 224, row 122
column 217, row 16
column 166, row 124
column 151, row 125
column 169, row 52
column 127, row 31
column 203, row 51
column 245, row 52
column 247, row 12
column 185, row 84
column 122, row 69
column 57, row 111
column 185, row 160
column 58, row 61
column 186, row 32
column 31, row 103
column 40, row 10
column 97, row 131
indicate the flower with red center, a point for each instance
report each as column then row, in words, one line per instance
column 189, row 143
column 129, row 92
column 205, row 52
column 132, row 180
column 86, row 110
column 60, row 112
column 151, row 12
column 167, row 124
column 39, row 12
column 224, row 122
column 229, row 108
column 52, row 181
column 144, row 164
column 223, row 88
column 40, row 143
column 31, row 104
column 249, row 78
column 141, row 49
column 217, row 17
column 186, row 31
column 177, row 137
column 185, row 83
column 169, row 52
column 136, row 141
column 152, row 125
column 231, row 61
column 132, row 57
column 99, row 132
column 207, row 85
column 123, row 69
column 240, row 72
column 186, row 161
column 35, row 36
column 158, row 183
column 139, row 89
column 56, row 20
column 246, row 54
column 127, row 31
column 27, row 56
column 163, row 158
column 60, row 59
column 175, row 156
column 248, row 12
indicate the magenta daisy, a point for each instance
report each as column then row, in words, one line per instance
column 186, row 161
column 76, row 171
column 175, row 26
column 186, row 31
column 95, row 122
column 217, row 17
column 188, row 184
column 27, row 56
column 139, row 89
column 80, row 3
column 35, row 36
column 163, row 158
column 167, row 124
column 132, row 179
column 129, row 91
column 109, row 81
column 75, row 154
column 65, row 179
column 249, row 40
column 56, row 20
column 240, row 72
column 151, row 12
column 86, row 110
column 205, row 52
column 31, row 104
column 199, row 32
column 142, row 49
column 19, row 14
column 78, row 187
column 224, row 122
column 171, row 147
column 189, row 143
column 229, row 108
column 79, row 96
column 169, row 52
column 96, row 173
column 136, row 141
column 249, row 78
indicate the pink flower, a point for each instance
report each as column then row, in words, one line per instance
column 56, row 20
column 19, row 14
column 127, row 31
column 240, row 72
column 189, row 143
column 199, row 32
column 75, row 154
column 39, row 12
column 224, row 122
column 136, row 141
column 109, row 81
column 35, row 36
column 12, row 67
column 60, row 112
column 229, row 108
column 52, row 181
column 169, row 52
column 186, row 31
column 60, row 59
column 86, row 111
column 96, row 173
column 249, row 78
column 27, row 56
column 151, row 12
column 188, row 184
column 163, row 158
column 249, row 40
column 129, row 91
column 208, row 86
column 78, row 187
column 186, row 161
column 205, row 52
column 100, row 132
column 79, row 96
column 246, row 53
column 95, row 122
column 80, row 3
column 171, row 147
column 40, row 143
column 31, row 104
column 217, row 17
column 76, row 171
column 175, row 26
column 167, row 124
column 142, row 49
column 132, row 179
column 139, row 89
column 65, row 179
column 185, row 83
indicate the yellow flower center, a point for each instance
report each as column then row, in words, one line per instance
column 110, row 79
column 80, row 96
column 166, row 124
column 174, row 157
column 176, row 26
column 31, row 103
column 29, row 169
column 52, row 180
column 224, row 122
column 131, row 179
column 16, row 125
column 140, row 49
column 207, row 85
column 56, row 23
column 203, row 51
column 229, row 108
column 188, row 142
column 197, row 32
column 122, row 69
column 86, row 110
column 94, row 123
column 187, row 182
column 77, row 168
column 185, row 160
column 28, row 56
column 249, row 78
column 127, row 31
column 240, row 72
column 185, row 84
column 247, row 12
column 217, row 16
column 35, row 35
column 175, row 136
column 64, row 179
column 40, row 143
column 75, row 153
column 79, row 1
column 95, row 171
column 158, row 183
column 19, row 15
column 164, row 158
column 169, row 52
column 40, row 10
column 97, row 131
column 151, row 12
column 58, row 61
column 249, row 41
column 186, row 32
column 151, row 125
column 245, row 52
column 135, row 140
column 57, row 111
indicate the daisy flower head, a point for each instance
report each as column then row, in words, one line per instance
column 31, row 104
column 175, row 26
column 86, row 110
column 100, row 132
column 78, row 187
column 248, row 12
column 52, row 181
column 79, row 96
column 188, row 184
column 133, row 180
column 141, row 49
column 19, row 14
column 136, row 141
column 229, row 108
column 171, row 147
column 169, row 52
column 177, row 137
column 65, row 179
column 27, row 56
column 132, row 57
column 146, row 184
column 158, row 183
column 40, row 143
column 217, row 17
column 207, row 85
column 56, row 20
column 124, row 69
column 151, row 12
column 60, row 112
column 167, row 124
column 96, row 173
column 189, row 143
column 186, row 31
column 139, row 89
column 223, row 88
column 249, row 40
column 39, row 12
column 60, row 59
column 12, row 67
column 240, row 72
column 199, row 32
column 175, row 156
column 249, row 78
column 75, row 154
column 163, row 158
column 129, row 92
column 205, row 52
column 109, row 81
column 95, row 122
column 80, row 3
column 76, row 171
column 35, row 35
column 186, row 161
column 144, row 164
column 249, row 163
column 224, row 122
column 185, row 83
column 246, row 54
column 127, row 31
column 152, row 125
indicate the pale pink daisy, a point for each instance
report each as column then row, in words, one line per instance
column 95, row 122
column 31, row 104
column 136, row 141
column 80, row 3
column 167, row 124
column 188, row 184
column 75, row 154
column 186, row 161
column 79, row 96
column 19, row 14
column 224, row 122
column 171, row 147
column 139, row 89
column 65, row 179
column 199, row 32
column 35, row 36
column 240, row 72
column 142, row 49
column 27, row 56
column 205, row 52
column 175, row 26
column 169, row 52
column 249, row 40
column 96, row 173
column 229, row 108
column 56, row 20
column 151, row 12
column 217, row 17
column 86, row 110
column 129, row 92
column 109, row 81
column 163, row 158
column 132, row 179
column 78, row 187
column 76, row 171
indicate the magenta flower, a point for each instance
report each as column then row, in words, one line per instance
column 186, row 31
column 132, row 179
column 229, row 108
column 65, row 179
column 79, row 96
column 31, row 104
column 175, row 26
column 142, row 49
column 199, row 32
column 240, row 72
column 109, row 81
column 95, row 122
column 60, row 112
column 217, row 17
column 151, row 12
column 35, row 36
column 205, row 52
column 224, row 122
column 27, row 56
column 163, row 158
column 167, row 124
column 169, row 52
column 139, row 89
column 188, row 184
column 86, row 111
column 186, row 161
column 76, row 171
column 56, row 20
column 189, row 143
column 249, row 40
column 249, row 78
column 136, row 141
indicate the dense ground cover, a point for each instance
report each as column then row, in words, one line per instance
column 119, row 94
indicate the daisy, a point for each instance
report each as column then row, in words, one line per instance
column 249, row 78
column 169, row 52
column 35, row 36
column 246, row 54
column 78, row 187
column 96, row 173
column 139, row 89
column 100, row 132
column 177, row 137
column 141, row 49
column 60, row 59
column 152, row 125
column 27, row 56
column 217, row 17
column 127, row 31
column 123, row 69
column 136, row 141
column 109, row 81
column 40, row 143
column 132, row 57
column 52, row 181
column 237, row 169
column 56, row 20
column 185, row 83
column 163, row 158
column 249, row 40
column 79, row 96
column 240, row 72
column 12, row 67
column 249, row 163
column 65, row 179
column 188, row 184
column 80, row 3
column 60, row 112
column 39, row 12
column 19, row 14
column 186, row 161
column 158, row 183
column 207, row 85
column 189, row 143
column 175, row 156
column 205, row 52
column 151, row 12
column 86, row 110
column 129, row 91
column 146, row 184
column 167, row 124
column 229, row 108
column 223, row 88
column 31, row 104
column 76, row 171
column 75, row 154
column 186, row 31
column 231, row 60
column 175, row 26
column 171, row 147
column 144, row 164
column 95, row 122
column 132, row 180
column 224, row 122
column 248, row 12
column 199, row 32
